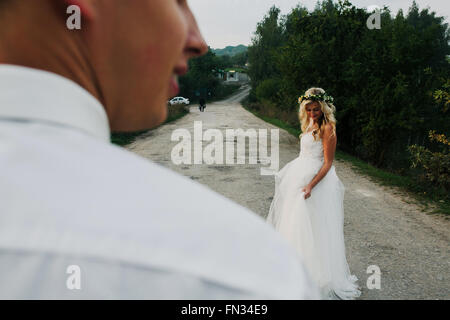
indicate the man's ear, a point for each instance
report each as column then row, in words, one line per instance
column 86, row 7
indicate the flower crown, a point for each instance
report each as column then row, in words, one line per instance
column 317, row 97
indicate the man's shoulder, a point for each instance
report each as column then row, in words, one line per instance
column 117, row 206
column 139, row 172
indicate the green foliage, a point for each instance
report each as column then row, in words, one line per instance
column 123, row 138
column 202, row 78
column 233, row 62
column 231, row 50
column 240, row 59
column 262, row 53
column 435, row 165
column 382, row 79
column 442, row 96
column 267, row 89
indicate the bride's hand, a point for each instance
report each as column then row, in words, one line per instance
column 307, row 191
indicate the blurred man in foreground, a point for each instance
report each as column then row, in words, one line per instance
column 81, row 218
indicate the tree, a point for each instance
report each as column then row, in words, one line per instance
column 267, row 39
column 202, row 76
column 382, row 80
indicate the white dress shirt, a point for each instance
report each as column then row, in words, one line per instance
column 132, row 228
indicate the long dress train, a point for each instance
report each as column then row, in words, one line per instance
column 315, row 226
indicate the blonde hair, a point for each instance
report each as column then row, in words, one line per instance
column 328, row 110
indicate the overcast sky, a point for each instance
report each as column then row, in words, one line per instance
column 232, row 22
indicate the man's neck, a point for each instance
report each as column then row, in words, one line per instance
column 51, row 47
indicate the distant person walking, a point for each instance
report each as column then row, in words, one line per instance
column 202, row 105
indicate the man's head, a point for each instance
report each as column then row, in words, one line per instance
column 127, row 53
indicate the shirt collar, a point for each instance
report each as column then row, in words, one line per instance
column 34, row 95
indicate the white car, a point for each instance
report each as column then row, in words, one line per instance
column 179, row 100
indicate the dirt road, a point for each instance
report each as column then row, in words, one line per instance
column 383, row 226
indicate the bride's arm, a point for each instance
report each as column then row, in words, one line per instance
column 329, row 141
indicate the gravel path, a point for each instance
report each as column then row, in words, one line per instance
column 383, row 226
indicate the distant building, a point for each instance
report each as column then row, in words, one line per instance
column 232, row 76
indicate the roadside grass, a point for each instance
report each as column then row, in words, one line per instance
column 175, row 112
column 433, row 200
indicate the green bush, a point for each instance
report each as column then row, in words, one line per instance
column 268, row 89
column 435, row 166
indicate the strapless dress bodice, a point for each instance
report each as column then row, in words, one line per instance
column 310, row 148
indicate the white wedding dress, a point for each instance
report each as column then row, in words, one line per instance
column 315, row 226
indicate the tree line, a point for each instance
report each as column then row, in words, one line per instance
column 386, row 82
column 202, row 79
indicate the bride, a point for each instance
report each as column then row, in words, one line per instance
column 307, row 208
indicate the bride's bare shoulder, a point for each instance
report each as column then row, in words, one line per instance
column 329, row 131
